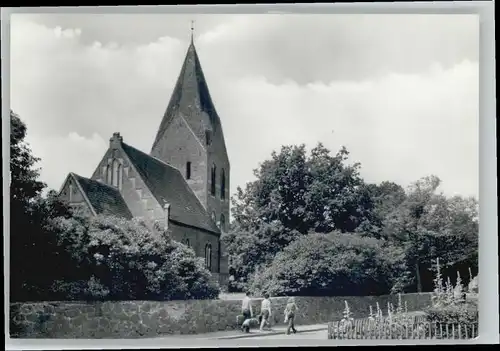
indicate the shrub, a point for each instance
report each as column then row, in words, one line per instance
column 328, row 265
column 125, row 260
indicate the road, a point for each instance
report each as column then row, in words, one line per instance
column 321, row 335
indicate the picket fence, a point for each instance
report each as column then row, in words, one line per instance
column 415, row 329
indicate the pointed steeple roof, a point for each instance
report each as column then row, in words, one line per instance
column 191, row 99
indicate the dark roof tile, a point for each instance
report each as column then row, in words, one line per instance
column 105, row 199
column 168, row 186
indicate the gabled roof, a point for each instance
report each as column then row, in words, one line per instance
column 191, row 99
column 104, row 199
column 168, row 186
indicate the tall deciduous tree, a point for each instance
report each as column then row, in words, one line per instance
column 35, row 258
column 24, row 184
column 295, row 194
column 429, row 225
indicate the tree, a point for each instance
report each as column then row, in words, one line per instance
column 386, row 197
column 123, row 259
column 330, row 265
column 24, row 183
column 295, row 194
column 34, row 256
column 430, row 225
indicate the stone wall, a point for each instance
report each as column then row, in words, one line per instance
column 134, row 319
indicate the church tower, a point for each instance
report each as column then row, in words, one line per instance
column 190, row 138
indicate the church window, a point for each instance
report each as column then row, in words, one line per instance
column 222, row 223
column 208, row 256
column 116, row 173
column 70, row 191
column 109, row 175
column 222, row 184
column 214, row 217
column 212, row 185
column 188, row 243
column 208, row 137
column 188, row 170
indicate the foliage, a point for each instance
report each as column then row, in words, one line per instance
column 35, row 258
column 450, row 306
column 330, row 264
column 295, row 194
column 24, row 183
column 125, row 260
column 428, row 225
column 386, row 197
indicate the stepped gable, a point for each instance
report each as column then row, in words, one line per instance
column 168, row 186
column 104, row 199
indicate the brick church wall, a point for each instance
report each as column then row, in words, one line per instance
column 183, row 147
column 136, row 194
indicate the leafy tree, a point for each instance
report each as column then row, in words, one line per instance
column 35, row 258
column 429, row 225
column 386, row 198
column 295, row 194
column 24, row 183
column 125, row 260
column 331, row 264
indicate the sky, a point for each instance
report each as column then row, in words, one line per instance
column 400, row 92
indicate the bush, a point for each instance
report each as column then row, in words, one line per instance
column 120, row 259
column 328, row 265
column 465, row 313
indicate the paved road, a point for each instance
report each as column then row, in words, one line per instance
column 321, row 334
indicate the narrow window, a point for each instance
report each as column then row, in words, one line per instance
column 70, row 191
column 222, row 223
column 109, row 175
column 208, row 256
column 116, row 166
column 187, row 243
column 212, row 186
column 214, row 217
column 120, row 176
column 188, row 170
column 222, row 184
column 208, row 137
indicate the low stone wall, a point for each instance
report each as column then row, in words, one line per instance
column 133, row 319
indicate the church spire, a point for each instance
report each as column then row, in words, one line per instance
column 191, row 99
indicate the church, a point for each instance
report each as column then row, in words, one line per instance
column 183, row 182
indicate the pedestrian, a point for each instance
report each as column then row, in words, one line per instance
column 265, row 311
column 247, row 311
column 290, row 312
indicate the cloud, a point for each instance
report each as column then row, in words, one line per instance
column 63, row 154
column 401, row 121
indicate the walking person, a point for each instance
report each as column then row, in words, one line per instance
column 290, row 311
column 247, row 311
column 265, row 311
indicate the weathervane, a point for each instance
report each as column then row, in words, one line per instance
column 192, row 30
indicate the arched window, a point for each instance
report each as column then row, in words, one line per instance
column 222, row 184
column 188, row 170
column 214, row 217
column 116, row 173
column 186, row 242
column 109, row 175
column 222, row 223
column 70, row 186
column 212, row 186
column 120, row 177
column 208, row 256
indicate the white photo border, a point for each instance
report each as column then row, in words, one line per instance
column 488, row 214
